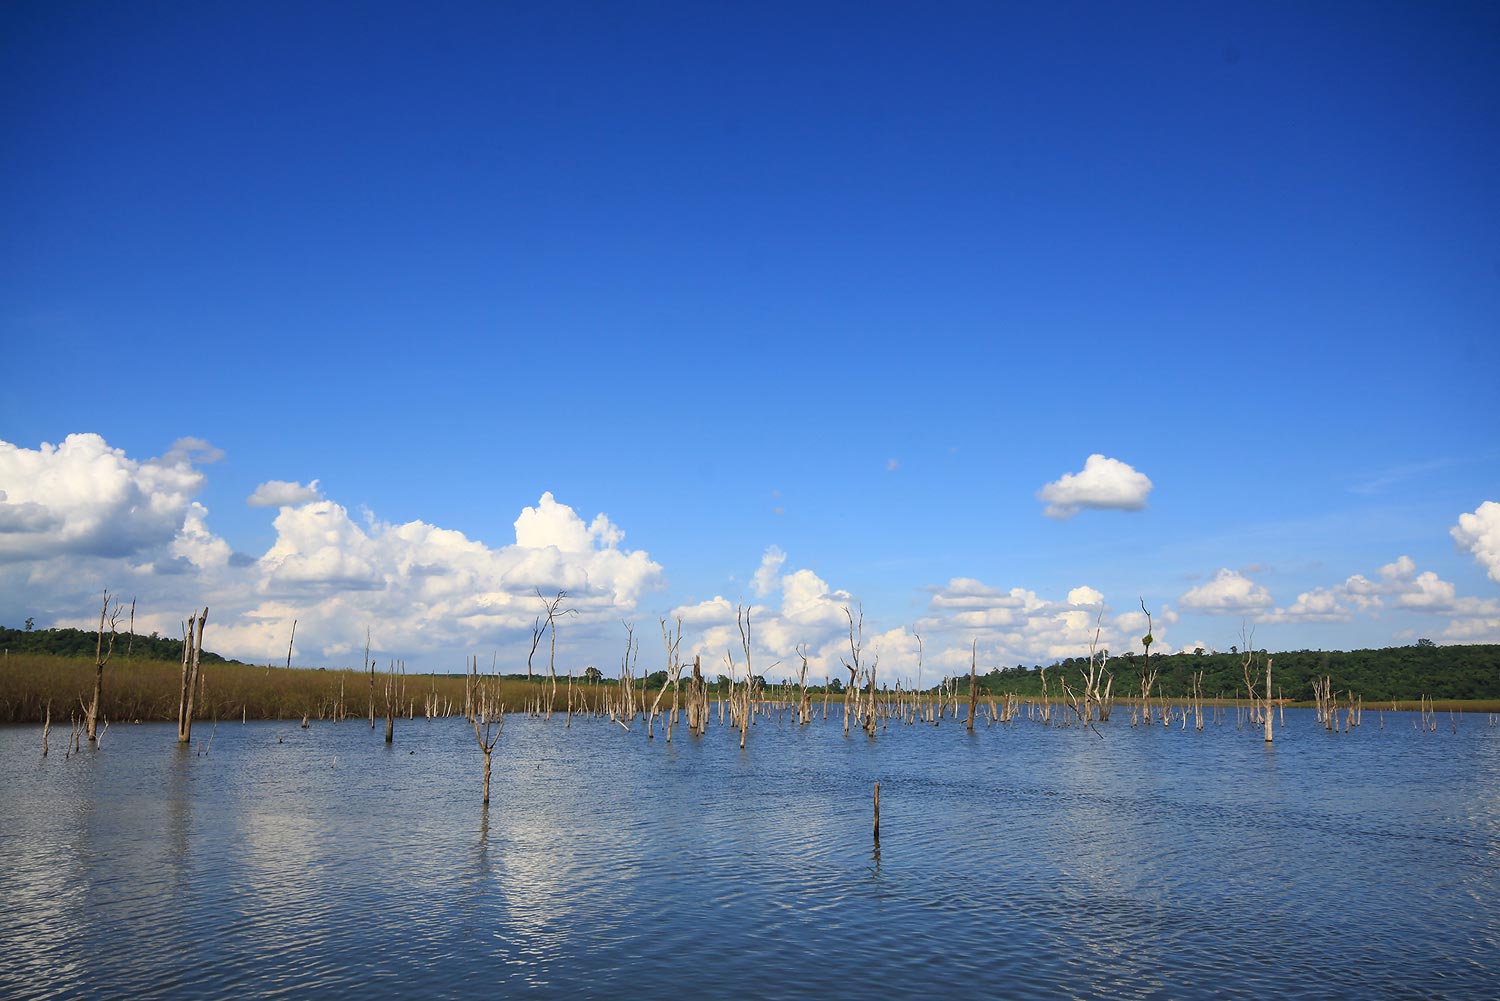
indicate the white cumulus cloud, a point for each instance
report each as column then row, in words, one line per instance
column 283, row 493
column 1318, row 605
column 1085, row 596
column 1103, row 483
column 1428, row 593
column 1229, row 593
column 84, row 498
column 1479, row 533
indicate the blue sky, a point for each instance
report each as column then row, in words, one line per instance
column 854, row 281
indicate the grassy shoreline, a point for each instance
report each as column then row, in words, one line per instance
column 147, row 690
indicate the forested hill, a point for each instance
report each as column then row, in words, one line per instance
column 83, row 643
column 1401, row 672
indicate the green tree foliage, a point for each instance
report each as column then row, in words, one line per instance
column 1402, row 673
column 81, row 643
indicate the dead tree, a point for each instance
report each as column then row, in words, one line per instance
column 370, row 668
column 674, row 670
column 1197, row 700
column 1148, row 673
column 973, row 688
column 919, row 661
column 192, row 651
column 804, row 705
column 1095, row 675
column 1258, row 705
column 395, row 697
column 742, row 619
column 488, row 718
column 1247, row 669
column 102, row 653
column 697, row 700
column 537, row 632
column 1268, row 700
column 554, row 611
column 625, row 702
column 856, row 647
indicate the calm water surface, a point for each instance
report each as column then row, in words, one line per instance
column 1017, row 861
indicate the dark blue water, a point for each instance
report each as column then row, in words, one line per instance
column 1018, row 861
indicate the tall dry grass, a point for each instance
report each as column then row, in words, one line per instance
column 148, row 690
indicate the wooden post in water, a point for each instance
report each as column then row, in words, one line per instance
column 877, row 812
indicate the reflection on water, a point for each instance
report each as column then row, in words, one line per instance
column 1015, row 861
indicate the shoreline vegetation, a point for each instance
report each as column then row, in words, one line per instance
column 36, row 686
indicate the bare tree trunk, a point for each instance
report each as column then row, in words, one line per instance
column 101, row 657
column 804, row 707
column 392, row 696
column 744, row 624
column 1268, row 700
column 192, row 649
column 554, row 611
column 370, row 667
column 488, row 719
column 674, row 671
column 973, row 689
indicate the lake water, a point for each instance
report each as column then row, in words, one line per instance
column 1017, row 861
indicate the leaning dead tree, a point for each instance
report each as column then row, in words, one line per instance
column 674, row 671
column 554, row 611
column 537, row 632
column 488, row 718
column 102, row 653
column 192, row 651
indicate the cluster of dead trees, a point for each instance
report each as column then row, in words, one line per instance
column 1082, row 701
column 91, row 724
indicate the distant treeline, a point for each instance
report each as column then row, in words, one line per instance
column 1404, row 673
column 1401, row 672
column 83, row 643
